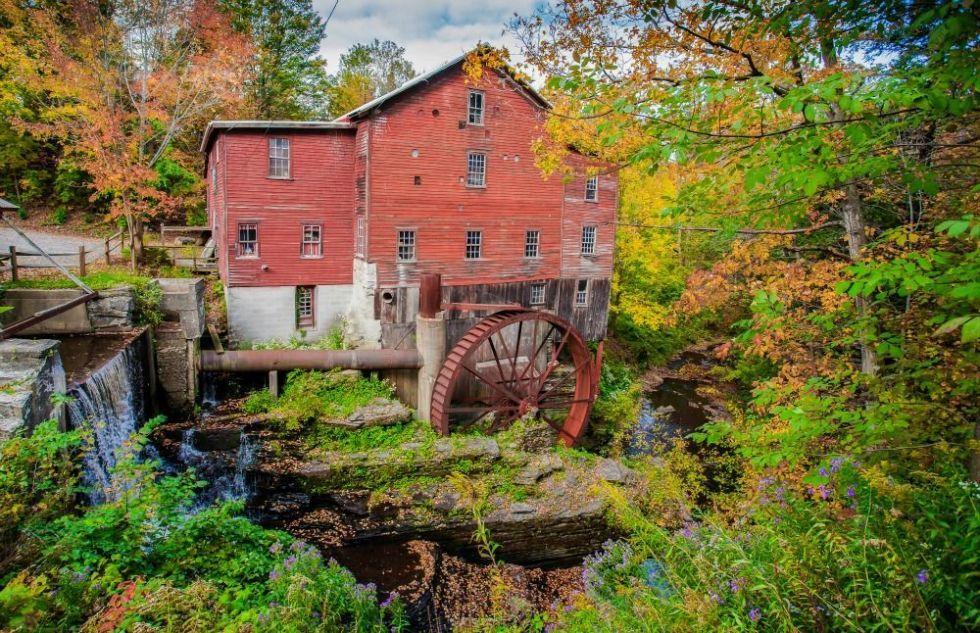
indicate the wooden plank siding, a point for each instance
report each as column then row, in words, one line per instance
column 318, row 191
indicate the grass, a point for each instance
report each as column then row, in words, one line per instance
column 97, row 280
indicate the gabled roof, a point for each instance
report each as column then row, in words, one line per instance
column 426, row 78
column 269, row 125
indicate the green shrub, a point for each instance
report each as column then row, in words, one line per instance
column 259, row 402
column 60, row 215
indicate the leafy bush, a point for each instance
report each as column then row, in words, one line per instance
column 145, row 560
column 853, row 553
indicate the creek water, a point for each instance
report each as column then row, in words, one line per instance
column 672, row 410
column 107, row 378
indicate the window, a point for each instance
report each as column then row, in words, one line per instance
column 532, row 243
column 311, row 246
column 278, row 158
column 592, row 189
column 474, row 242
column 476, row 108
column 588, row 240
column 214, row 177
column 582, row 292
column 476, row 170
column 537, row 294
column 305, row 306
column 248, row 240
column 361, row 244
column 406, row 246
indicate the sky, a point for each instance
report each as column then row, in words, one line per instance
column 432, row 31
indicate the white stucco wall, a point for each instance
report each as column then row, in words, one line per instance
column 263, row 314
column 363, row 328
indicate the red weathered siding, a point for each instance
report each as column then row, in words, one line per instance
column 579, row 213
column 319, row 191
column 441, row 209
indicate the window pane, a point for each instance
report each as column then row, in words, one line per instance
column 248, row 240
column 311, row 245
column 474, row 240
column 361, row 237
column 582, row 292
column 406, row 245
column 476, row 170
column 305, row 305
column 476, row 107
column 537, row 294
column 279, row 158
column 532, row 243
column 588, row 240
column 592, row 189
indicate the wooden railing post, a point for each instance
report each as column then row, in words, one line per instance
column 81, row 260
column 13, row 263
column 108, row 258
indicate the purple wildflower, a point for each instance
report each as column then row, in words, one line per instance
column 290, row 562
column 755, row 614
column 824, row 491
column 824, row 473
column 780, row 493
column 274, row 574
column 717, row 598
column 275, row 548
column 851, row 491
column 389, row 600
column 836, row 463
column 316, row 615
column 735, row 584
column 763, row 500
column 263, row 618
column 273, row 604
column 922, row 577
column 297, row 546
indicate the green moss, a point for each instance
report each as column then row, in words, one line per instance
column 98, row 280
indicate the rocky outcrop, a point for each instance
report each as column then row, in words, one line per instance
column 30, row 373
column 381, row 412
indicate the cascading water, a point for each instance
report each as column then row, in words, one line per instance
column 224, row 471
column 111, row 404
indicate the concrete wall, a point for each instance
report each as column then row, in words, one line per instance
column 114, row 309
column 178, row 342
column 364, row 329
column 267, row 313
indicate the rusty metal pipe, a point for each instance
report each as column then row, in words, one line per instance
column 430, row 294
column 285, row 359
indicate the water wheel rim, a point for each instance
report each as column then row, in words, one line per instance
column 541, row 395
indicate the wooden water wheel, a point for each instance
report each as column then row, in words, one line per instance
column 514, row 364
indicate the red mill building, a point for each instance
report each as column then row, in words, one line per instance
column 317, row 222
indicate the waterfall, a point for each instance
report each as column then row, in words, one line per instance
column 111, row 404
column 246, row 458
column 224, row 471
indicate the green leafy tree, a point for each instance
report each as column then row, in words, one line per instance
column 367, row 71
column 288, row 76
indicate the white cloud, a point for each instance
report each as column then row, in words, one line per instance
column 432, row 31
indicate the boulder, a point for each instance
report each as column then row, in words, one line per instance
column 538, row 468
column 380, row 412
column 613, row 471
column 114, row 308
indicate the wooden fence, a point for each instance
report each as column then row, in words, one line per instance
column 17, row 259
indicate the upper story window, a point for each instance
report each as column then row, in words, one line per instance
column 592, row 189
column 305, row 306
column 248, row 240
column 532, row 243
column 360, row 245
column 582, row 292
column 537, row 294
column 278, row 158
column 406, row 246
column 476, row 108
column 476, row 170
column 214, row 177
column 474, row 244
column 312, row 244
column 588, row 240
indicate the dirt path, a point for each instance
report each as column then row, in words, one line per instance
column 52, row 243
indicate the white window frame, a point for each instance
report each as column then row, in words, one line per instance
column 592, row 189
column 476, row 170
column 538, row 293
column 280, row 165
column 532, row 244
column 590, row 235
column 581, row 293
column 405, row 244
column 241, row 250
column 474, row 240
column 360, row 240
column 475, row 113
column 307, row 319
column 309, row 232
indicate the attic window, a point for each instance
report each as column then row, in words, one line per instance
column 278, row 158
column 592, row 189
column 476, row 107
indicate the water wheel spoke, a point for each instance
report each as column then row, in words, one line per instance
column 556, row 426
column 564, row 380
column 496, row 357
column 533, row 385
column 506, row 348
column 561, row 404
column 553, row 363
column 503, row 391
column 517, row 351
column 485, row 409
